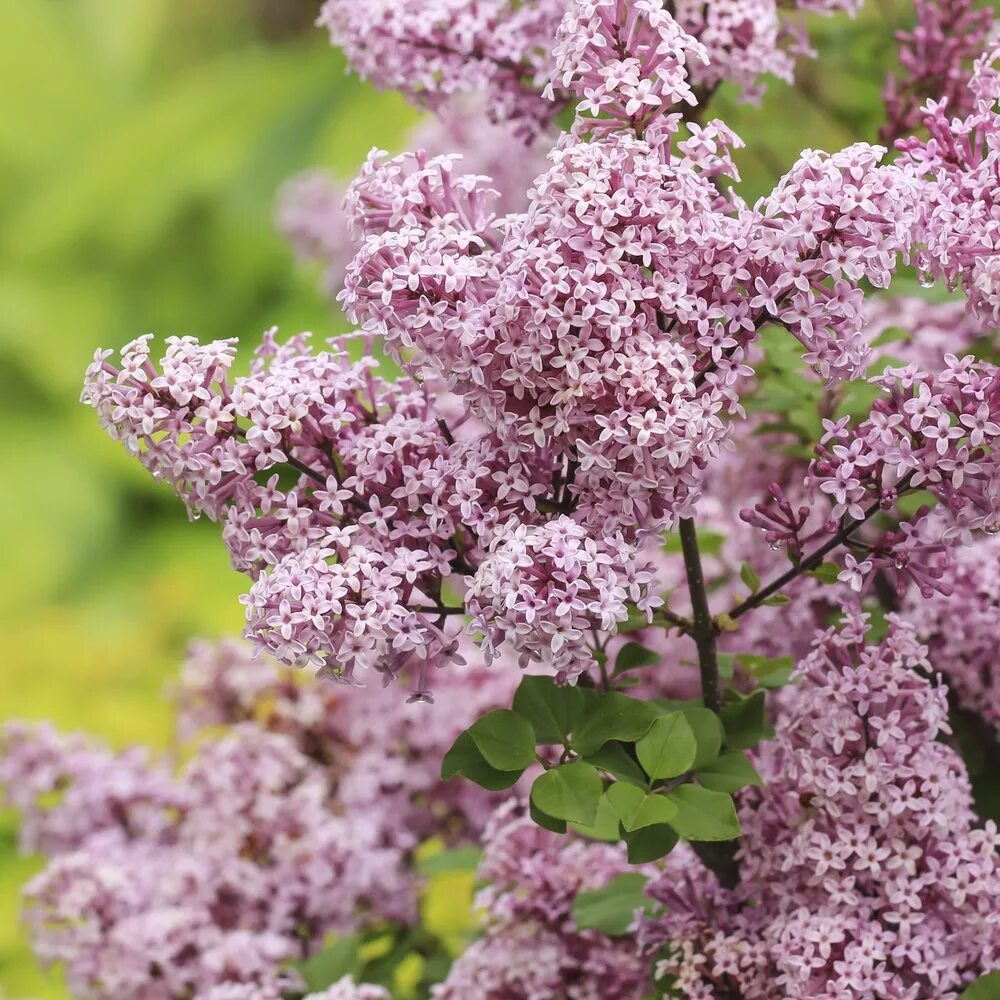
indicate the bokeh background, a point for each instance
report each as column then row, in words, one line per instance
column 141, row 148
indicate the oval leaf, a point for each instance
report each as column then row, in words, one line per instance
column 465, row 758
column 554, row 710
column 984, row 988
column 505, row 739
column 570, row 792
column 707, row 731
column 703, row 814
column 729, row 773
column 613, row 716
column 668, row 747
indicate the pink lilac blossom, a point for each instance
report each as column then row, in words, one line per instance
column 550, row 592
column 531, row 948
column 503, row 49
column 386, row 754
column 959, row 627
column 936, row 57
column 343, row 989
column 311, row 213
column 934, row 432
column 863, row 871
column 220, row 875
column 958, row 230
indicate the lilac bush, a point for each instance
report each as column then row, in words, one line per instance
column 671, row 512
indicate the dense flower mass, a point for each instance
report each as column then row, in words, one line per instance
column 531, row 947
column 959, row 626
column 298, row 820
column 223, row 874
column 863, row 872
column 607, row 357
column 430, row 51
column 936, row 57
column 546, row 591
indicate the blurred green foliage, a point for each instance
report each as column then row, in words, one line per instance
column 140, row 152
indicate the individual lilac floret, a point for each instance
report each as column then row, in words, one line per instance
column 531, row 948
column 863, row 872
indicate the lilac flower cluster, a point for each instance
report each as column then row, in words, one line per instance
column 167, row 887
column 930, row 432
column 959, row 227
column 311, row 213
column 863, row 872
column 299, row 820
column 541, row 590
column 531, row 948
column 431, row 51
column 958, row 624
column 936, row 57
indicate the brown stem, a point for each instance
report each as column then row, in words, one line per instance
column 702, row 626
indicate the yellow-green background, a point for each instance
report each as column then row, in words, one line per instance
column 141, row 146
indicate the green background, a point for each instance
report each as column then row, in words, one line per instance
column 141, row 148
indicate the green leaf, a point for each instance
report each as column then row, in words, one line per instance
column 632, row 656
column 668, row 747
column 729, row 773
column 635, row 809
column 613, row 716
column 777, row 600
column 703, row 814
column 605, row 826
column 826, row 572
column 544, row 820
column 465, row 758
column 505, row 739
column 984, row 988
column 324, row 968
column 769, row 672
column 749, row 576
column 650, row 843
column 707, row 729
column 569, row 791
column 612, row 909
column 554, row 710
column 745, row 722
column 613, row 758
column 457, row 859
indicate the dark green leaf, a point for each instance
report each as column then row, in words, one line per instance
column 729, row 773
column 569, row 791
column 668, row 747
column 544, row 820
column 465, row 758
column 613, row 908
column 505, row 739
column 745, row 722
column 554, row 710
column 613, row 717
column 703, row 814
column 632, row 656
column 650, row 843
column 826, row 572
